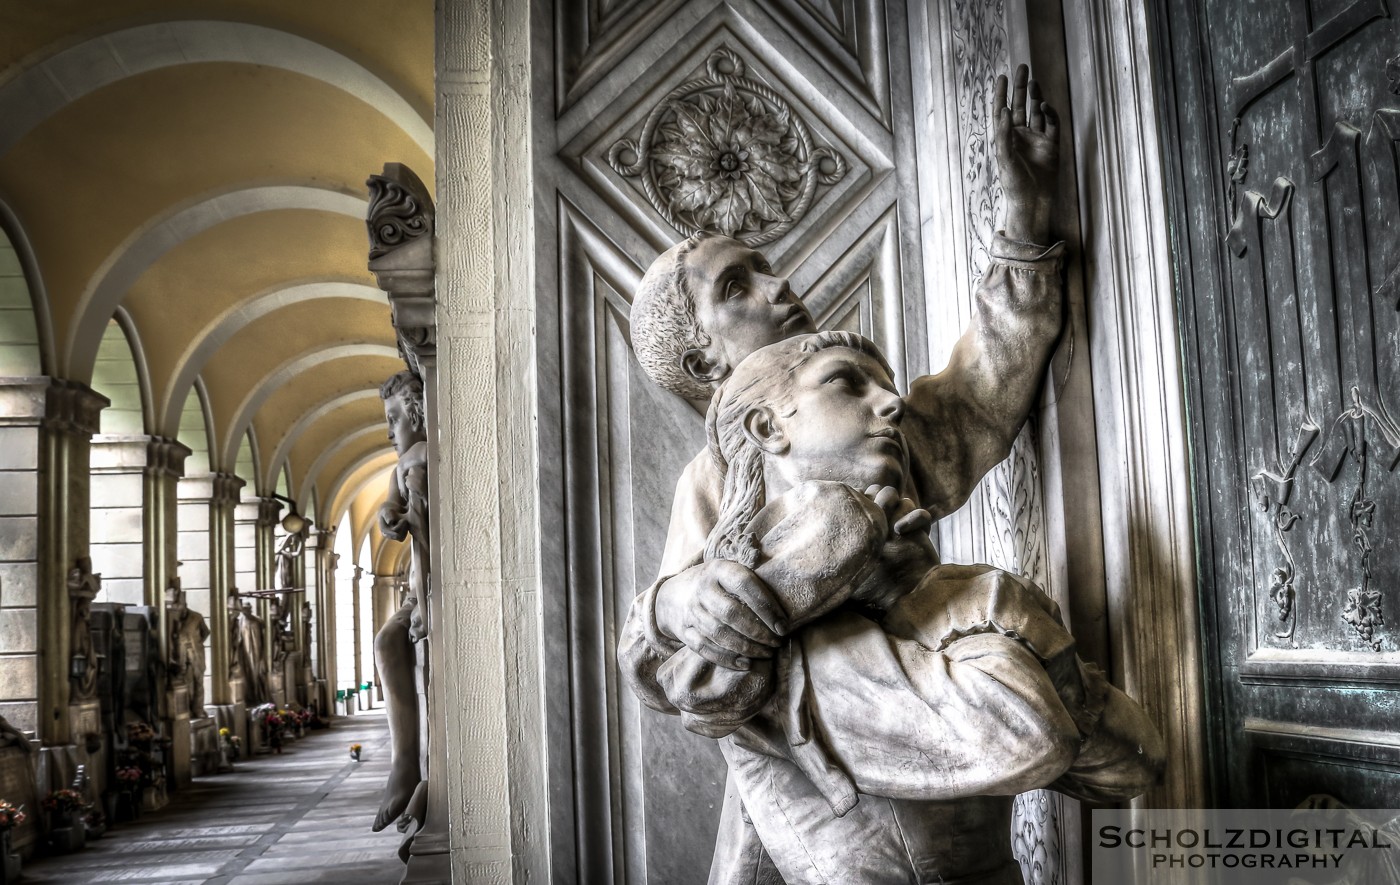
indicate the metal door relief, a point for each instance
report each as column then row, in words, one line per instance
column 777, row 121
column 1289, row 264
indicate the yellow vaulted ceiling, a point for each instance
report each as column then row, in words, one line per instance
column 201, row 166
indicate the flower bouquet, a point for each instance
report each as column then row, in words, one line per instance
column 11, row 816
column 61, row 806
column 355, row 752
column 231, row 742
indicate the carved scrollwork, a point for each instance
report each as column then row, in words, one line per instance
column 400, row 209
column 979, row 53
column 726, row 153
column 1351, row 437
column 1035, row 837
column 1272, row 490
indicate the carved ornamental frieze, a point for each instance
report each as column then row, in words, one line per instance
column 726, row 153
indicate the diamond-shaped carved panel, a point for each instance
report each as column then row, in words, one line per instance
column 593, row 36
column 721, row 142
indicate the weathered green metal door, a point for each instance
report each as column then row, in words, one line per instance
column 1283, row 123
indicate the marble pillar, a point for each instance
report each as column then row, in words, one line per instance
column 481, row 419
column 21, row 416
column 321, row 592
column 70, row 418
column 222, row 506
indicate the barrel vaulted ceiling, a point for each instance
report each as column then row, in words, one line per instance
column 201, row 166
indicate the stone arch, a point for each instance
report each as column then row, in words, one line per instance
column 43, row 89
column 196, row 430
column 245, row 464
column 26, row 331
column 119, row 373
column 306, row 421
column 286, row 372
column 145, row 246
column 226, row 325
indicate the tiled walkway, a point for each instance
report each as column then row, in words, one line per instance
column 297, row 819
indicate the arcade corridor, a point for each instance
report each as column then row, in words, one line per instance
column 302, row 817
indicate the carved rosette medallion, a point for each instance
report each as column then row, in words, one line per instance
column 725, row 153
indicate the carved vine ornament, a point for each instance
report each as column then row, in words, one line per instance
column 725, row 153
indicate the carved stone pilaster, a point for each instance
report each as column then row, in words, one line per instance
column 400, row 221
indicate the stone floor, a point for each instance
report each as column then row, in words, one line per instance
column 300, row 818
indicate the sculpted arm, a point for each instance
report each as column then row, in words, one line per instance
column 963, row 420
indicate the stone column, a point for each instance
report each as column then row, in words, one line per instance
column 360, row 640
column 70, row 418
column 484, row 411
column 44, row 427
column 223, row 504
column 265, row 545
column 320, row 591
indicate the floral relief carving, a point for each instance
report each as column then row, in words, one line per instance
column 725, row 153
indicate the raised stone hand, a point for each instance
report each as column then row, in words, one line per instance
column 1028, row 157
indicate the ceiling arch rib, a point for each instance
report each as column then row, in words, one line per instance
column 372, row 468
column 329, row 407
column 286, row 372
column 110, row 284
column 225, row 326
column 368, row 440
column 44, row 89
column 18, row 240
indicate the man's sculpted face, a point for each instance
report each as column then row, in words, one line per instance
column 740, row 304
column 402, row 433
column 841, row 423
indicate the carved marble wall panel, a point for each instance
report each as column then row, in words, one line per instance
column 775, row 120
column 1287, row 196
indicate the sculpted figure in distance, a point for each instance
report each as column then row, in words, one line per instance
column 251, row 658
column 404, row 517
column 706, row 305
column 83, row 587
column 287, row 552
column 188, row 633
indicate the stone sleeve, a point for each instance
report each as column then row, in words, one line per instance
column 641, row 650
column 867, row 712
column 962, row 421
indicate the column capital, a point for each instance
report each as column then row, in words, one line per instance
column 269, row 512
column 227, row 488
column 401, row 257
column 71, row 407
column 138, row 453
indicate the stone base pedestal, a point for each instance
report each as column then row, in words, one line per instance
column 17, row 784
column 91, row 742
column 236, row 692
column 178, row 730
column 234, row 717
column 204, row 747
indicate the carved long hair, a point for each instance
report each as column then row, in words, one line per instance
column 762, row 380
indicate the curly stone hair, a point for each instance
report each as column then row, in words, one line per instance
column 411, row 386
column 663, row 320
